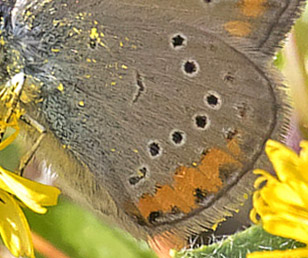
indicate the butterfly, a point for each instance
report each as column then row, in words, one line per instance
column 154, row 113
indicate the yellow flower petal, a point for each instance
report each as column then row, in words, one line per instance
column 304, row 151
column 12, row 137
column 285, row 161
column 295, row 253
column 34, row 195
column 264, row 176
column 253, row 216
column 286, row 225
column 282, row 202
column 14, row 228
column 261, row 207
column 280, row 193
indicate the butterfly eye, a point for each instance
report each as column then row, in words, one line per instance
column 190, row 68
column 201, row 122
column 154, row 149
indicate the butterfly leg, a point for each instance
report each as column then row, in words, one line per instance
column 30, row 153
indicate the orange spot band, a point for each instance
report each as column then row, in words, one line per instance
column 181, row 194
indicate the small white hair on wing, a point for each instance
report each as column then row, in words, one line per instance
column 17, row 7
column 47, row 176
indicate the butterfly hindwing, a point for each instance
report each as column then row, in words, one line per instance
column 162, row 102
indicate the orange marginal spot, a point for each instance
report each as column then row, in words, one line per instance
column 238, row 28
column 46, row 248
column 181, row 194
column 163, row 243
column 253, row 8
column 234, row 147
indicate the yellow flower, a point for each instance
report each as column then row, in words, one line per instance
column 282, row 204
column 14, row 228
column 16, row 190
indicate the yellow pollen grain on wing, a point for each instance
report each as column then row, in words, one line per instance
column 102, row 44
column 55, row 50
column 60, row 87
column 2, row 42
column 214, row 227
column 94, row 34
column 238, row 28
column 76, row 30
column 253, row 8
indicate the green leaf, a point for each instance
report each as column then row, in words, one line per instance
column 79, row 234
column 238, row 245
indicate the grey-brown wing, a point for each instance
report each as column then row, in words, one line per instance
column 157, row 102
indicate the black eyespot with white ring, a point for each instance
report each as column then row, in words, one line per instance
column 201, row 121
column 213, row 100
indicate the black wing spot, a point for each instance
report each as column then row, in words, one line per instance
column 142, row 172
column 178, row 137
column 213, row 100
column 190, row 68
column 201, row 122
column 200, row 195
column 154, row 149
column 154, row 215
column 178, row 41
column 134, row 180
column 92, row 43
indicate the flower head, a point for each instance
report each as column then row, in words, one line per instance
column 14, row 228
column 282, row 203
column 16, row 190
